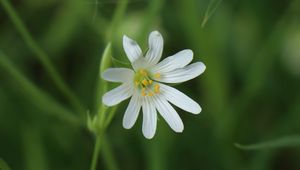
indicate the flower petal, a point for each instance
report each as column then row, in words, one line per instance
column 118, row 75
column 132, row 112
column 168, row 113
column 132, row 49
column 173, row 62
column 179, row 99
column 182, row 74
column 118, row 94
column 149, row 118
column 156, row 44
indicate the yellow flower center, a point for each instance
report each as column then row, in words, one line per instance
column 143, row 81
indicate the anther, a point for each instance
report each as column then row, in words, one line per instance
column 157, row 75
column 156, row 88
column 150, row 94
column 150, row 81
column 143, row 72
column 144, row 94
column 145, row 82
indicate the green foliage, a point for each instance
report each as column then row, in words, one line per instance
column 3, row 165
column 289, row 141
column 53, row 52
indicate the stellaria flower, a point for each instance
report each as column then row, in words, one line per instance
column 144, row 84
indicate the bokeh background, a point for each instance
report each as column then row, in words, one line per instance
column 249, row 93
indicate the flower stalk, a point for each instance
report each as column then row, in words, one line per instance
column 97, row 125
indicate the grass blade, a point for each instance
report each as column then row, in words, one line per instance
column 42, row 57
column 36, row 95
column 212, row 6
column 3, row 165
column 288, row 141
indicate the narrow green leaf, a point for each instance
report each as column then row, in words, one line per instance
column 102, row 86
column 37, row 96
column 3, row 165
column 212, row 6
column 110, row 115
column 42, row 56
column 288, row 141
column 33, row 148
column 120, row 63
column 106, row 58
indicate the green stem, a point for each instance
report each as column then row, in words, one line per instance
column 38, row 97
column 42, row 57
column 34, row 151
column 108, row 155
column 4, row 165
column 97, row 147
column 110, row 116
column 118, row 15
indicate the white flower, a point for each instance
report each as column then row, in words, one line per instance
column 144, row 84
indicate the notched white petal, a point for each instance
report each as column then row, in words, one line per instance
column 169, row 114
column 132, row 112
column 118, row 94
column 175, row 61
column 149, row 118
column 179, row 99
column 132, row 49
column 182, row 74
column 118, row 74
column 156, row 44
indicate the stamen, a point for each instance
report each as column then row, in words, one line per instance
column 156, row 88
column 145, row 82
column 143, row 72
column 157, row 75
column 150, row 94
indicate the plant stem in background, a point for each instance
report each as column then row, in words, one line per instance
column 118, row 15
column 213, row 5
column 42, row 57
column 102, row 86
column 108, row 155
column 111, row 114
column 34, row 152
column 3, row 165
column 38, row 97
column 287, row 141
column 96, row 152
column 100, row 118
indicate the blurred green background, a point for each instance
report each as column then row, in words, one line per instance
column 249, row 92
